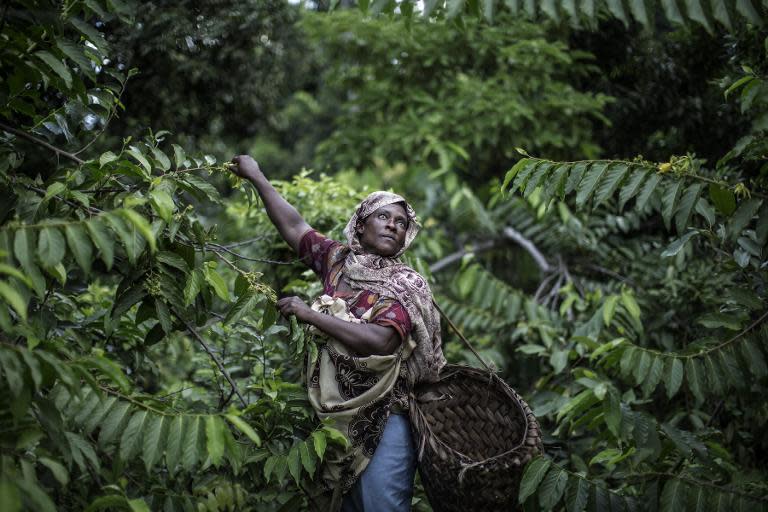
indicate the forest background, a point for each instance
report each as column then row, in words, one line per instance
column 593, row 187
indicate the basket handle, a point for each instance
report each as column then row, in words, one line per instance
column 464, row 339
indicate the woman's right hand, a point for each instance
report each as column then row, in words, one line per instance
column 245, row 167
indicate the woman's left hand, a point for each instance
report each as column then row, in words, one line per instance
column 294, row 306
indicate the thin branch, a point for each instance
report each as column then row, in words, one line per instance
column 611, row 273
column 456, row 256
column 41, row 142
column 529, row 246
column 247, row 258
column 213, row 356
column 245, row 242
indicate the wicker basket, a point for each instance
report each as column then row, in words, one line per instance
column 474, row 436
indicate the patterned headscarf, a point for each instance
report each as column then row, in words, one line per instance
column 389, row 277
column 370, row 204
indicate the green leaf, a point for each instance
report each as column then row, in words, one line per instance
column 589, row 183
column 179, row 156
column 609, row 308
column 669, row 201
column 132, row 242
column 673, row 376
column 162, row 203
column 111, row 370
column 612, row 180
column 58, row 470
column 139, row 156
column 163, row 315
column 294, row 463
column 637, row 8
column 654, row 375
column 575, row 175
column 696, row 13
column 214, row 433
column 79, row 245
column 14, row 299
column 743, row 216
column 552, row 488
column 54, row 189
column 242, row 307
column 629, row 302
column 532, row 476
column 161, row 158
column 319, row 441
column 193, row 286
column 647, row 191
column 57, row 65
column 694, row 377
column 755, row 359
column 141, row 224
column 245, row 428
column 746, row 9
column 176, row 442
column 23, row 248
column 194, row 442
column 104, row 409
column 642, row 365
column 576, row 495
column 521, row 171
column 138, row 505
column 673, row 496
column 488, row 8
column 51, row 246
column 672, row 11
column 269, row 467
column 217, row 283
column 612, row 411
column 537, row 178
column 720, row 13
column 723, row 199
column 687, row 203
column 103, row 240
column 715, row 320
column 114, row 423
column 154, row 440
column 307, row 460
column 676, row 246
column 132, row 436
column 616, row 7
column 10, row 497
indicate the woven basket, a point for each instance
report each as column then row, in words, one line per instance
column 474, row 435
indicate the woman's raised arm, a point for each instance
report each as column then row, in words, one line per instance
column 283, row 215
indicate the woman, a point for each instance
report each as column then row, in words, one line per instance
column 382, row 336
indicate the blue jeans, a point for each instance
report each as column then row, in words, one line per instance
column 386, row 485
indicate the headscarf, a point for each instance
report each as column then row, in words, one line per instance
column 389, row 277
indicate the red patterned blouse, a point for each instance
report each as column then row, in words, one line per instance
column 326, row 258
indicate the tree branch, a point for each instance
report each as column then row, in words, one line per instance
column 456, row 256
column 41, row 142
column 529, row 246
column 213, row 356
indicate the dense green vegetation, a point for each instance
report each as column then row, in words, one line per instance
column 595, row 204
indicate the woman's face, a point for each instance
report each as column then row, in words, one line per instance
column 383, row 231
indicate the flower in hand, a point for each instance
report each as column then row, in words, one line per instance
column 294, row 306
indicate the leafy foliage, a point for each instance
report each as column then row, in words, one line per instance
column 726, row 13
column 145, row 365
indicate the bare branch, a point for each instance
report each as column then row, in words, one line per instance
column 456, row 256
column 41, row 142
column 529, row 246
column 213, row 356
